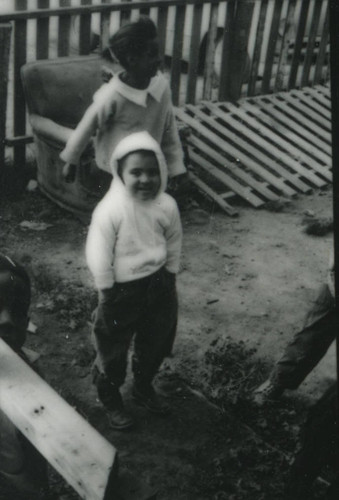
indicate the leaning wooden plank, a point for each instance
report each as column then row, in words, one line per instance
column 268, row 145
column 271, row 46
column 77, row 451
column 306, row 111
column 260, row 187
column 262, row 157
column 324, row 112
column 257, row 49
column 277, row 114
column 269, row 131
column 273, row 120
column 318, row 96
column 207, row 190
column 42, row 32
column 228, row 149
column 177, row 52
column 299, row 115
column 323, row 49
column 223, row 175
column 194, row 54
column 298, row 43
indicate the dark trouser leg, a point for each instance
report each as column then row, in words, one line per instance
column 156, row 332
column 112, row 333
column 318, row 447
column 309, row 345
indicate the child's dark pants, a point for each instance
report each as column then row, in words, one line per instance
column 146, row 308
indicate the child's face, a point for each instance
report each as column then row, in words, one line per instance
column 13, row 309
column 146, row 65
column 141, row 175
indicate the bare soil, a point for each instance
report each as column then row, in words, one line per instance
column 245, row 285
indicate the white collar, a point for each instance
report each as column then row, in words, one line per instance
column 156, row 88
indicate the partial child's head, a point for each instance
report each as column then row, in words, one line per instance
column 135, row 46
column 15, row 296
column 140, row 173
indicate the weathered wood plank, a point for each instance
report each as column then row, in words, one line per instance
column 162, row 23
column 177, row 52
column 272, row 136
column 244, row 191
column 42, row 32
column 312, row 104
column 74, row 448
column 271, row 46
column 298, row 44
column 267, row 145
column 279, row 113
column 229, row 149
column 5, row 42
column 285, row 45
column 262, row 157
column 292, row 132
column 257, row 49
column 64, row 30
column 20, row 41
column 311, row 44
column 235, row 169
column 318, row 96
column 225, row 74
column 214, row 196
column 305, row 115
column 85, row 31
column 323, row 50
column 194, row 55
column 210, row 51
column 105, row 19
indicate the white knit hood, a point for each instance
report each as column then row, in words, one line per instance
column 136, row 142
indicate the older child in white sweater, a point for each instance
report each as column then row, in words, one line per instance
column 135, row 99
column 133, row 251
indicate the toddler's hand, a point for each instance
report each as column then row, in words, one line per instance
column 68, row 172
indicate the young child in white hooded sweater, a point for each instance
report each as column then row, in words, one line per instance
column 133, row 252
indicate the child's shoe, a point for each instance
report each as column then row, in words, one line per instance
column 119, row 419
column 266, row 392
column 148, row 398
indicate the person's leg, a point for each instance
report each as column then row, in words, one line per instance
column 305, row 350
column 21, row 464
column 154, row 339
column 112, row 332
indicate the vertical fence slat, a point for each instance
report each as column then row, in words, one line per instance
column 162, row 28
column 210, row 50
column 298, row 44
column 42, row 32
column 85, row 31
column 177, row 52
column 271, row 49
column 257, row 49
column 105, row 19
column 194, row 54
column 311, row 43
column 285, row 45
column 238, row 47
column 19, row 118
column 321, row 58
column 225, row 74
column 64, row 31
column 5, row 42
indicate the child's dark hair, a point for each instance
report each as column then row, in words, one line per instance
column 131, row 38
column 121, row 160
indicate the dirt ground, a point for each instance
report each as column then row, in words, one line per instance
column 245, row 285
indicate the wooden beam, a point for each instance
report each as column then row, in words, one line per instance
column 5, row 41
column 75, row 449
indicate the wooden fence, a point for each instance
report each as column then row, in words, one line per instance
column 214, row 50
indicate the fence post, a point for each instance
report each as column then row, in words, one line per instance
column 20, row 42
column 5, row 41
column 238, row 59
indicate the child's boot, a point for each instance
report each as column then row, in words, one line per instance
column 145, row 395
column 110, row 397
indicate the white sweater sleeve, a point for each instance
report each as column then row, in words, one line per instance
column 174, row 241
column 171, row 145
column 81, row 136
column 100, row 249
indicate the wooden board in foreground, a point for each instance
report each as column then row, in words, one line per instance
column 83, row 457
